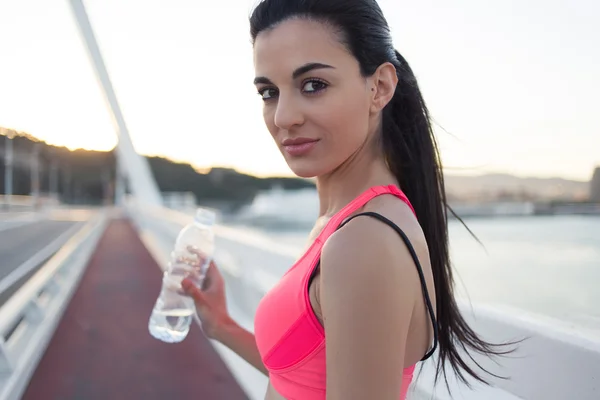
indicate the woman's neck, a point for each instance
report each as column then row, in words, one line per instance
column 349, row 180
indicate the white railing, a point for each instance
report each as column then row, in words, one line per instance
column 14, row 200
column 29, row 317
column 25, row 203
column 552, row 363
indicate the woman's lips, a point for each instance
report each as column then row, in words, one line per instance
column 299, row 147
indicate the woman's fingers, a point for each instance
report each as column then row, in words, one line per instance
column 194, row 250
column 212, row 269
column 192, row 290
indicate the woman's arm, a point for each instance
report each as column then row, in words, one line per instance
column 367, row 297
column 241, row 342
column 211, row 307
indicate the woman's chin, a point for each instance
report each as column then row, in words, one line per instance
column 304, row 174
column 304, row 169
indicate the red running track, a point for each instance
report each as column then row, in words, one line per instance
column 102, row 350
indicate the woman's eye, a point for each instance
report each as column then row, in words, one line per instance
column 313, row 86
column 267, row 93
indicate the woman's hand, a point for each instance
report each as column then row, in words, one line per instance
column 211, row 307
column 211, row 304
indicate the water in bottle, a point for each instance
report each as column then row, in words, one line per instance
column 173, row 311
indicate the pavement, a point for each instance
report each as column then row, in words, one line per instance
column 102, row 349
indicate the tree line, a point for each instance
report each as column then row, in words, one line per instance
column 88, row 177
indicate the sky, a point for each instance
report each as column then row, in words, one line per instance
column 513, row 86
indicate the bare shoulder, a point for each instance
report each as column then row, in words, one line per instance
column 401, row 214
column 367, row 249
column 369, row 236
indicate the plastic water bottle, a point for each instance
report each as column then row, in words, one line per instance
column 173, row 311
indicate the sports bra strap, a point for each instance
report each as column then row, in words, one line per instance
column 359, row 202
column 419, row 270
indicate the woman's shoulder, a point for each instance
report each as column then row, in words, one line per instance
column 366, row 241
column 395, row 211
column 367, row 268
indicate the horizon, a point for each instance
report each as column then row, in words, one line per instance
column 206, row 169
column 509, row 105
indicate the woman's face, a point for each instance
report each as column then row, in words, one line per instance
column 316, row 103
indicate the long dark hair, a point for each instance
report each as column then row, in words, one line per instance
column 410, row 150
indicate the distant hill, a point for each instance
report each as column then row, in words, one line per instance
column 218, row 185
column 88, row 176
column 505, row 186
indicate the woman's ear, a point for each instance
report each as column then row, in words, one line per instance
column 383, row 86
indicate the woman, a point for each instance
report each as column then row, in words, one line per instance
column 373, row 294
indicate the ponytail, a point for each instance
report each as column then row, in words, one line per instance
column 412, row 155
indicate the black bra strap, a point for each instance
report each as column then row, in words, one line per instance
column 419, row 270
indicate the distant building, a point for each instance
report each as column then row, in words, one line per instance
column 595, row 186
column 179, row 200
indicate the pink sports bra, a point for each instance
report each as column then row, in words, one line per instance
column 290, row 338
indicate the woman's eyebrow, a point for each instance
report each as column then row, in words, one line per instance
column 309, row 67
column 297, row 72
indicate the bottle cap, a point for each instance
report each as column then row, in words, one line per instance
column 205, row 216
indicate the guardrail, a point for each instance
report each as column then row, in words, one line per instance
column 554, row 362
column 20, row 202
column 16, row 200
column 29, row 318
column 35, row 260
